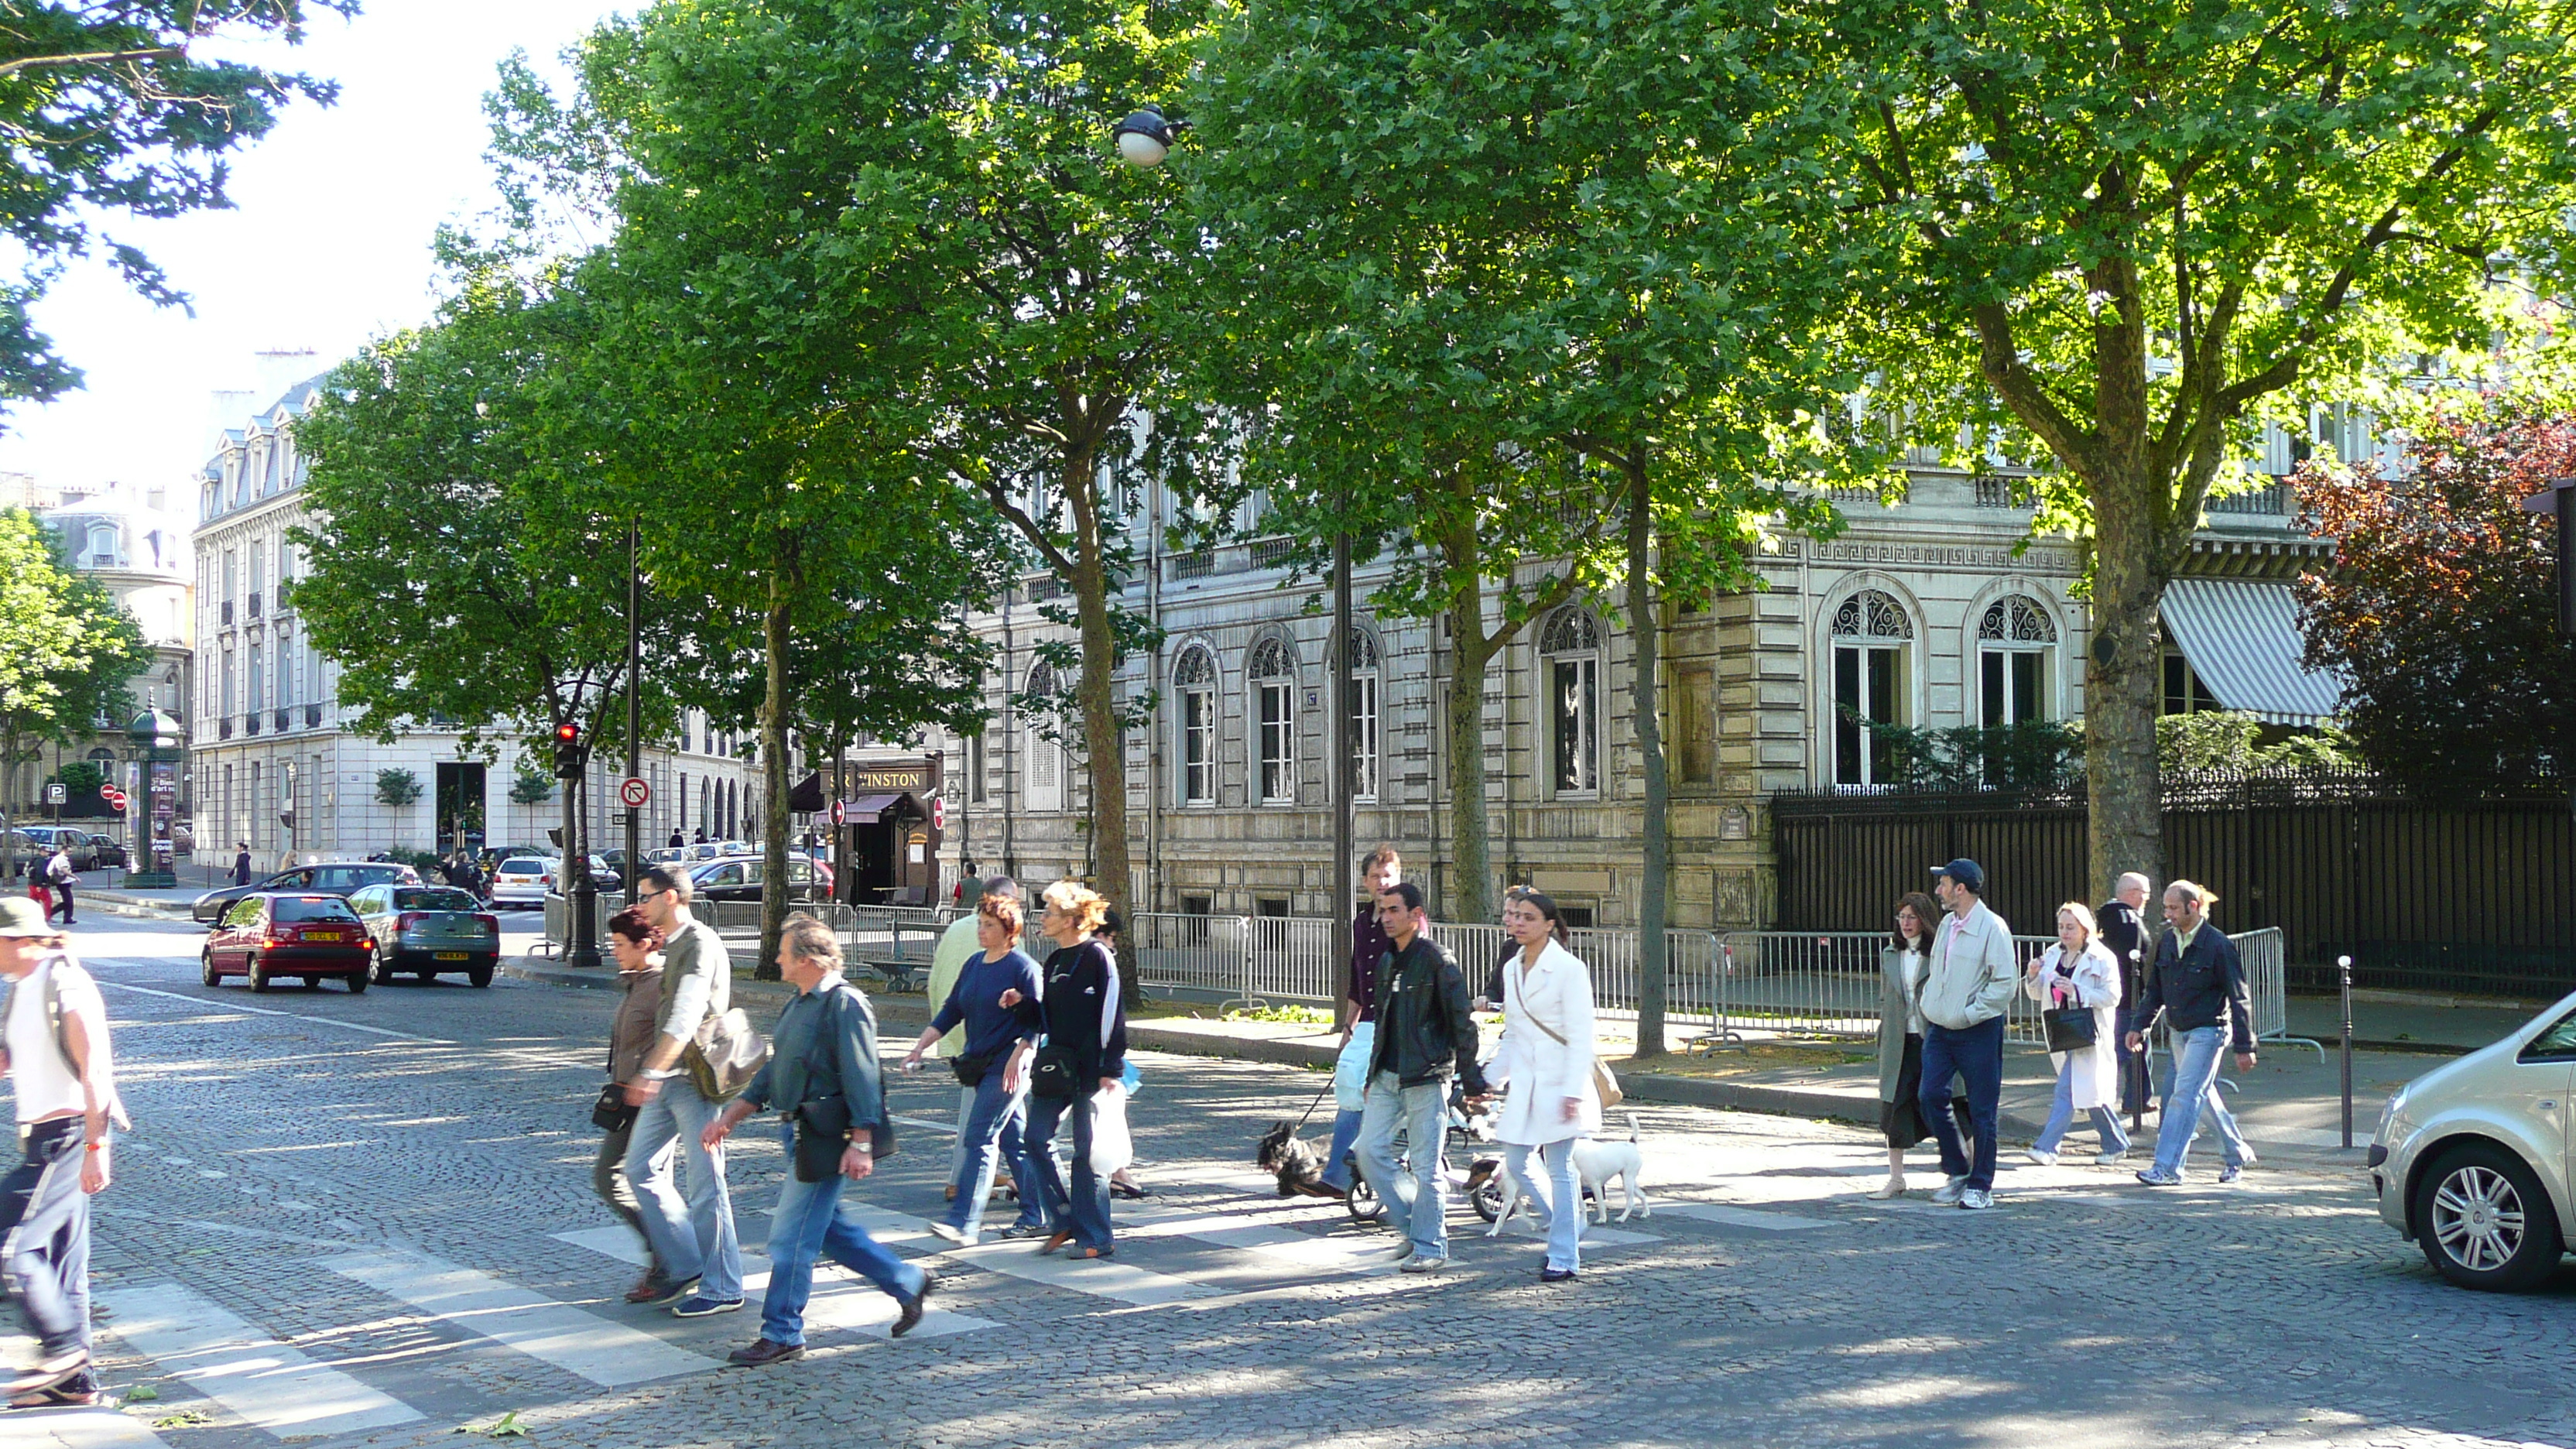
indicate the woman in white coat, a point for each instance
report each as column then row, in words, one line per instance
column 2079, row 971
column 1546, row 1057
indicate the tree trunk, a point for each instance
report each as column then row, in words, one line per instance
column 773, row 769
column 1469, row 831
column 1644, row 628
column 2122, row 691
column 1103, row 742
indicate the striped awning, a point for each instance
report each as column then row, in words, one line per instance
column 2242, row 638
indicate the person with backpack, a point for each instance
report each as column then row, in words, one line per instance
column 697, row 984
column 59, row 872
column 63, row 1075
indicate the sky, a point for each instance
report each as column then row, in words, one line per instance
column 327, row 244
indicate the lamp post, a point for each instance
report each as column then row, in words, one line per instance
column 1145, row 138
column 158, row 742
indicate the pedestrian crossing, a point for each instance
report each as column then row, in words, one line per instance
column 265, row 1383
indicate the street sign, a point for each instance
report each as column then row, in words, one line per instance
column 633, row 793
column 114, row 797
column 840, row 813
column 56, row 793
column 938, row 812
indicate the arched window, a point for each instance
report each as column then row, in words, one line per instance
column 2015, row 641
column 102, row 544
column 1363, row 721
column 1194, row 678
column 1044, row 781
column 1571, row 643
column 1873, row 650
column 1273, row 674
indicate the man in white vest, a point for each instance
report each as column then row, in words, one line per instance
column 1965, row 994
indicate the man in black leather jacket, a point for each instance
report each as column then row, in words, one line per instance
column 1424, row 1033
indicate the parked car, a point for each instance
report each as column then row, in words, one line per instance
column 106, row 849
column 427, row 931
column 522, row 880
column 2470, row 1161
column 739, row 880
column 333, row 877
column 287, row 933
column 47, row 837
column 183, row 838
column 22, row 849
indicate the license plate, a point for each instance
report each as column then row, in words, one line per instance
column 332, row 937
column 451, row 956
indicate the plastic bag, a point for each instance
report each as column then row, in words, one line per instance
column 1111, row 1146
column 1350, row 1068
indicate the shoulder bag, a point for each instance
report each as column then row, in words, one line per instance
column 1056, row 1074
column 724, row 1055
column 2071, row 1028
column 1605, row 1083
column 824, row 1131
column 611, row 1113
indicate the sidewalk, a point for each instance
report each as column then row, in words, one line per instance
column 2289, row 1106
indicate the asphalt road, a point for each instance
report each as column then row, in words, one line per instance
column 367, row 1220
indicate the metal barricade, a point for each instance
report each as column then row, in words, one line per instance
column 2267, row 980
column 1791, row 983
column 1202, row 954
column 1292, row 960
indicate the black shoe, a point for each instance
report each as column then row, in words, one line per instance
column 1120, row 1189
column 765, row 1351
column 910, row 1318
column 1556, row 1275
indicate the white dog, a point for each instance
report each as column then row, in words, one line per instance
column 1596, row 1164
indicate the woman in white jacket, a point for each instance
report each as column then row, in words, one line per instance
column 1546, row 1056
column 2079, row 971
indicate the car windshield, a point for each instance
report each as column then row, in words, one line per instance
column 522, row 867
column 312, row 908
column 433, row 900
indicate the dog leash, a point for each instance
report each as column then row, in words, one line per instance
column 1311, row 1106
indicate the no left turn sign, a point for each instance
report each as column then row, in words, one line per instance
column 633, row 793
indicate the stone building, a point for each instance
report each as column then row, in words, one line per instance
column 1928, row 611
column 270, row 757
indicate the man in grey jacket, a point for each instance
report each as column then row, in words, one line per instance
column 697, row 982
column 1965, row 993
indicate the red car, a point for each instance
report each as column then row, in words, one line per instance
column 287, row 933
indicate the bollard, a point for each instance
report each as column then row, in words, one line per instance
column 2343, row 965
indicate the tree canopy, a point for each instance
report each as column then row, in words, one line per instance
column 67, row 648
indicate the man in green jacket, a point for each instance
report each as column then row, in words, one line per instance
column 697, row 983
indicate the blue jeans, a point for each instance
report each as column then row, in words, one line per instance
column 2135, row 1097
column 1414, row 1206
column 2197, row 1054
column 1346, row 1133
column 810, row 1221
column 2061, row 1114
column 44, row 1222
column 1564, row 1199
column 1084, row 1211
column 698, row 1242
column 1976, row 1056
column 992, row 1140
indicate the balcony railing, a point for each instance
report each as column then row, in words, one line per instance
column 250, row 723
column 2002, row 493
column 312, row 716
column 225, row 728
column 2273, row 500
column 1270, row 552
column 1197, row 564
column 285, row 719
column 228, row 611
column 254, row 604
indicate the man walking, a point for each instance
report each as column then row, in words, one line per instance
column 1965, row 991
column 1380, row 869
column 2198, row 984
column 241, row 864
column 2125, row 931
column 59, row 871
column 63, row 1075
column 697, row 983
column 1424, row 1032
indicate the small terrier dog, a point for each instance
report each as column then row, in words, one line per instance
column 1297, row 1165
column 1596, row 1165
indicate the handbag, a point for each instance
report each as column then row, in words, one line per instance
column 970, row 1067
column 724, row 1055
column 611, row 1113
column 1605, row 1083
column 822, row 1135
column 2070, row 1028
column 1057, row 1074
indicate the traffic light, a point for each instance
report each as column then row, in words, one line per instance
column 567, row 751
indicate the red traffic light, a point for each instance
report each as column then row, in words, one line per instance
column 567, row 733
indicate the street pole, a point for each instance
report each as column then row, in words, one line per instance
column 2343, row 965
column 634, row 709
column 1345, row 887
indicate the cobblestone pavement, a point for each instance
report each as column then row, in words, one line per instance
column 292, row 1146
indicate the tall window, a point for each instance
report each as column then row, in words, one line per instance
column 1363, row 723
column 285, row 669
column 1273, row 671
column 1571, row 645
column 258, row 679
column 1043, row 786
column 1195, row 679
column 2014, row 642
column 975, row 787
column 1872, row 646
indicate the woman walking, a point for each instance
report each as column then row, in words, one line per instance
column 1546, row 1057
column 636, row 945
column 994, row 1065
column 1901, row 966
column 1085, row 1050
column 823, row 1079
column 2079, row 972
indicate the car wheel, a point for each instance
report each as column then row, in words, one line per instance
column 357, row 982
column 377, row 968
column 480, row 975
column 206, row 971
column 2484, row 1221
column 259, row 979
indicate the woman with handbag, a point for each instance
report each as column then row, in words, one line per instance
column 994, row 1065
column 822, row 1077
column 1085, row 1050
column 636, row 946
column 1901, row 968
column 1547, row 1058
column 2079, row 980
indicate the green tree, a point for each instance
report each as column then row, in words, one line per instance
column 67, row 652
column 111, row 109
column 2106, row 237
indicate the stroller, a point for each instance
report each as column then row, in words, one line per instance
column 1466, row 1132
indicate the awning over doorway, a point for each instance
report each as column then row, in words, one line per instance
column 807, row 796
column 2242, row 638
column 896, row 806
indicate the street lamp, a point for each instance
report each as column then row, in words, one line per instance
column 1145, row 138
column 158, row 744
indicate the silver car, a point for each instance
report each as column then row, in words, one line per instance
column 2471, row 1159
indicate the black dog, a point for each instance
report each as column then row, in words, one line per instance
column 1298, row 1166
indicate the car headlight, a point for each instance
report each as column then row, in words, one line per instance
column 2388, row 1114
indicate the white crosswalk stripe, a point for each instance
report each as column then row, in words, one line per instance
column 270, row 1385
column 79, row 1429
column 838, row 1303
column 1736, row 1217
column 609, row 1354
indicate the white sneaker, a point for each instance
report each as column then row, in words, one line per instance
column 1420, row 1264
column 2044, row 1159
column 2110, row 1159
column 1893, row 1187
column 951, row 1234
column 1976, row 1198
column 1948, row 1192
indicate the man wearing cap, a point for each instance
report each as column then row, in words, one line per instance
column 1965, row 992
column 55, row 1031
